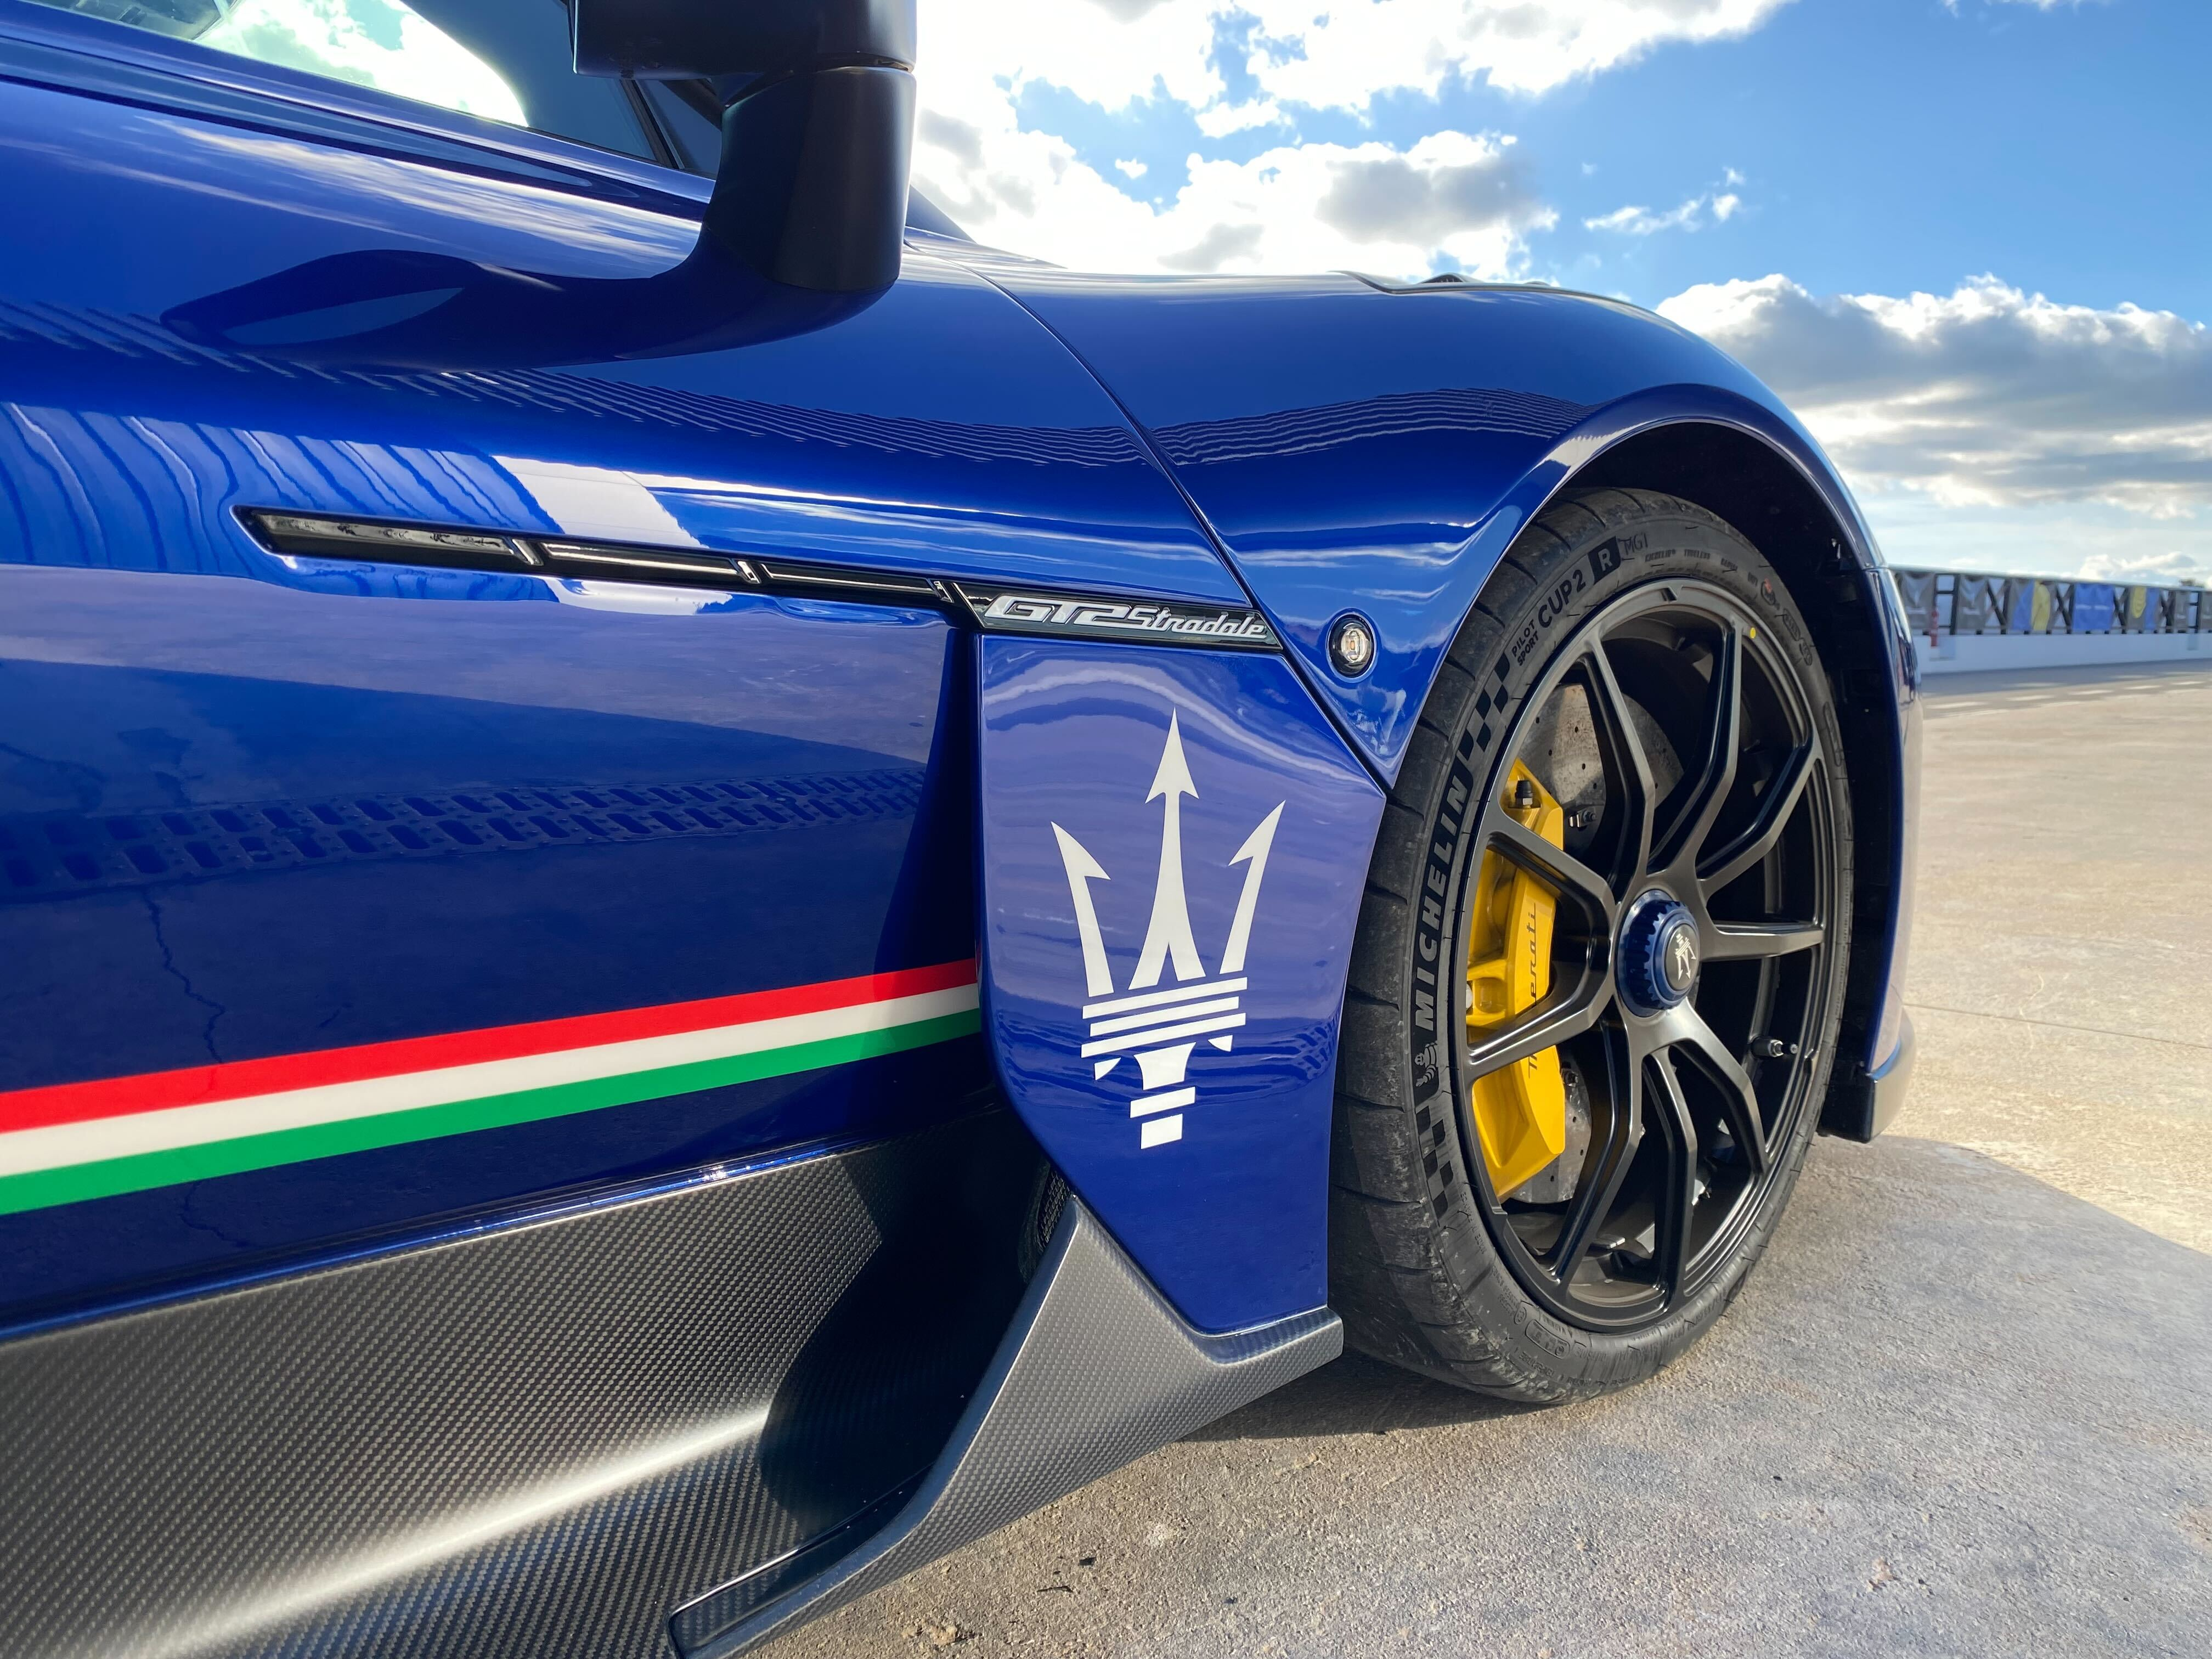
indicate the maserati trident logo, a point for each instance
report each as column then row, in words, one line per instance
column 1682, row 958
column 1161, row 1025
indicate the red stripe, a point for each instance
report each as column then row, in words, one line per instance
column 154, row 1092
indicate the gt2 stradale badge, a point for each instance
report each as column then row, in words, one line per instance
column 1141, row 620
column 1161, row 1026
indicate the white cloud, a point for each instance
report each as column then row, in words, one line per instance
column 2050, row 538
column 1130, row 169
column 1986, row 396
column 1338, row 53
column 1694, row 214
column 2164, row 569
column 1716, row 207
column 1221, row 119
column 1300, row 207
column 1329, row 54
column 1028, row 191
column 1639, row 220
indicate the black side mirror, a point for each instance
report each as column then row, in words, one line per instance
column 804, row 229
column 817, row 126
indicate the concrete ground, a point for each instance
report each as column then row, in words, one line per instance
column 1964, row 1407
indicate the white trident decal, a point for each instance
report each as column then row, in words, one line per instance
column 1162, row 1027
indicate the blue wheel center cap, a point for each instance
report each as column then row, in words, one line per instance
column 1659, row 954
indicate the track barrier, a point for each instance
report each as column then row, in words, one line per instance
column 1962, row 621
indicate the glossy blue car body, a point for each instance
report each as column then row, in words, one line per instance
column 261, row 806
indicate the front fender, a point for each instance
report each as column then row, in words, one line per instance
column 1355, row 447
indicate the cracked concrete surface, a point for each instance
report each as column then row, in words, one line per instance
column 1964, row 1407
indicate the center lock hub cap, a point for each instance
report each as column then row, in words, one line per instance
column 1659, row 954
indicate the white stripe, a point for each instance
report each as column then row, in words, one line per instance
column 60, row 1145
column 1154, row 999
column 1158, row 1131
column 1146, row 1039
column 1145, row 1105
column 1162, row 1016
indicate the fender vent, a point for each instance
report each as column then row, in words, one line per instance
column 379, row 541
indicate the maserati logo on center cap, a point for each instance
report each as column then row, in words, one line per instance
column 1682, row 958
column 1658, row 954
column 1161, row 1025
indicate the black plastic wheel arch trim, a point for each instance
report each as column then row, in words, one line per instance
column 1096, row 1371
column 1861, row 1106
column 994, row 609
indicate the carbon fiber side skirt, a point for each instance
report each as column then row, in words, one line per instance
column 530, row 1441
column 1096, row 1371
column 741, row 1401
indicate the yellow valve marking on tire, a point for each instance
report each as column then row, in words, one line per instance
column 1520, row 1109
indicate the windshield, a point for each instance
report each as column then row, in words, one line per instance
column 375, row 43
column 505, row 60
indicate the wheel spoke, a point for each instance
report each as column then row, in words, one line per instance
column 1616, row 725
column 1744, row 941
column 1567, row 1013
column 1678, row 1203
column 1691, row 1035
column 1573, row 878
column 1757, row 843
column 1624, row 1133
column 1724, row 737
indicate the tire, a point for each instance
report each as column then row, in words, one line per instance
column 1551, row 1292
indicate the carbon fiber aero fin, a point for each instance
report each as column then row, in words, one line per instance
column 1095, row 1370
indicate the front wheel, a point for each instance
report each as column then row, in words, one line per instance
column 1599, row 978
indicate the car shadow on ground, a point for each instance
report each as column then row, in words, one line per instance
column 1358, row 1396
column 1859, row 1214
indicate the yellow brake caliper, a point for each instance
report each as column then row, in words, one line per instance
column 1520, row 1109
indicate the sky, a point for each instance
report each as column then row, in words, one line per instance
column 1969, row 241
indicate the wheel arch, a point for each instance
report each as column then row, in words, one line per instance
column 1804, row 525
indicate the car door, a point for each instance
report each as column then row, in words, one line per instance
column 265, row 803
column 453, row 784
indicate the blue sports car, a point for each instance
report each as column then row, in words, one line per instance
column 701, row 890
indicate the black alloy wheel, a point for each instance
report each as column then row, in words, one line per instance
column 1639, row 712
column 1713, row 835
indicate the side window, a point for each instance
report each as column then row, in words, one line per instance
column 689, row 114
column 505, row 60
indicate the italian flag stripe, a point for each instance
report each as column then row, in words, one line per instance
column 83, row 1140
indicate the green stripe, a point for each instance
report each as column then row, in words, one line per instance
column 37, row 1189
